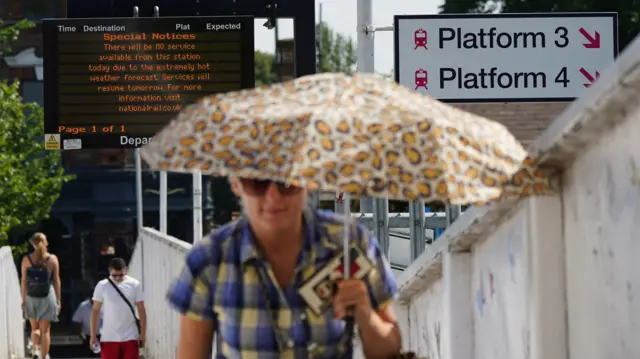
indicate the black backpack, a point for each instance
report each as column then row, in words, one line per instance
column 38, row 279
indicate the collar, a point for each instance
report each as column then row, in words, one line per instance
column 318, row 240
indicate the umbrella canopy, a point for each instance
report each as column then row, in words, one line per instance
column 361, row 134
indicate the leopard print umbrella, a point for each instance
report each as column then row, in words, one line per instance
column 362, row 134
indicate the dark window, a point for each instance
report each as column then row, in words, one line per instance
column 88, row 158
column 33, row 91
column 39, row 9
column 9, row 10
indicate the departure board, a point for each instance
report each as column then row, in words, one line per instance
column 115, row 82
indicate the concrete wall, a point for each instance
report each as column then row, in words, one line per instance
column 601, row 200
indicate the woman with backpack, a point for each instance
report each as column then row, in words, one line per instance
column 40, row 293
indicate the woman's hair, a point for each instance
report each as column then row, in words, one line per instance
column 39, row 242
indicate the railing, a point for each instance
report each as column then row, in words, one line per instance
column 156, row 261
column 11, row 321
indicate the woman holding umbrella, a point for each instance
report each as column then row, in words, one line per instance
column 242, row 282
column 260, row 283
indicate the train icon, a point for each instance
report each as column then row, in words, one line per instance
column 421, row 79
column 420, row 39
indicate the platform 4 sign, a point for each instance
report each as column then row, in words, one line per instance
column 507, row 57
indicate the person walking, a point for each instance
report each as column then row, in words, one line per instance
column 123, row 333
column 41, row 290
column 242, row 284
column 82, row 317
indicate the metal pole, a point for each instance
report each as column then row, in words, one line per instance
column 138, row 162
column 381, row 223
column 366, row 63
column 416, row 230
column 139, row 204
column 163, row 174
column 320, row 38
column 197, row 207
column 453, row 212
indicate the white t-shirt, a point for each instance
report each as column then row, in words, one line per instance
column 118, row 323
column 83, row 316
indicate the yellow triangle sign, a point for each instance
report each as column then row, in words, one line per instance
column 52, row 139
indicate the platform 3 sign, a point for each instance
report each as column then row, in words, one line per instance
column 504, row 57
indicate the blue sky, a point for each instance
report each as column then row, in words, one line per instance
column 341, row 15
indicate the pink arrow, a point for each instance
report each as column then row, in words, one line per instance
column 593, row 42
column 588, row 76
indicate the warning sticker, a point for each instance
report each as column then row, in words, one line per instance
column 52, row 141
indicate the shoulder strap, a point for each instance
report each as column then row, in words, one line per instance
column 133, row 312
column 29, row 259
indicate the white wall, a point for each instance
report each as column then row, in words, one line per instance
column 162, row 261
column 602, row 232
column 12, row 342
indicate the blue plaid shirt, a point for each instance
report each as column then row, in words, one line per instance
column 221, row 281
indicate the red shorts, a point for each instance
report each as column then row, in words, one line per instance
column 120, row 350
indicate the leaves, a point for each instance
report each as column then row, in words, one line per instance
column 264, row 68
column 336, row 52
column 30, row 177
column 9, row 34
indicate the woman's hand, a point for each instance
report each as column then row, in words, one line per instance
column 352, row 293
column 59, row 306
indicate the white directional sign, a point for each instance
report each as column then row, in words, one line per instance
column 504, row 57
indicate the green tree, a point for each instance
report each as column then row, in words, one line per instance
column 336, row 52
column 9, row 34
column 264, row 68
column 628, row 10
column 30, row 177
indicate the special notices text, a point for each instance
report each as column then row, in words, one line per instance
column 134, row 82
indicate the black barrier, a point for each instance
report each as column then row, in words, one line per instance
column 115, row 82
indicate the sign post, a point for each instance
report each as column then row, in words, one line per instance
column 548, row 57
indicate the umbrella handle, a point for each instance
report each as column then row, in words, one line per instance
column 349, row 327
column 349, row 320
column 346, row 247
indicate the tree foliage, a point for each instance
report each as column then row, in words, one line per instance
column 9, row 34
column 628, row 10
column 30, row 177
column 336, row 52
column 264, row 68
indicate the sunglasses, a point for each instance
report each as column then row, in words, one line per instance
column 258, row 188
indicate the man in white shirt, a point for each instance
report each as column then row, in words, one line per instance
column 120, row 334
column 82, row 317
